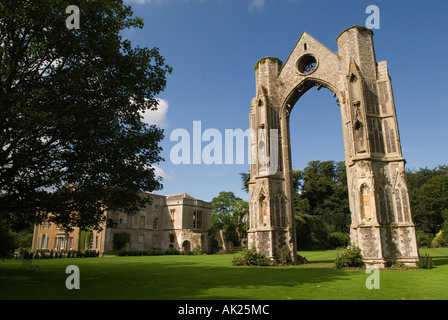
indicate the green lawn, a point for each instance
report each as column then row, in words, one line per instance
column 213, row 277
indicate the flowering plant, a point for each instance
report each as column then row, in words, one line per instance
column 349, row 257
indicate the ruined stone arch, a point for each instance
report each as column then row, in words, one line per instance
column 362, row 89
column 305, row 85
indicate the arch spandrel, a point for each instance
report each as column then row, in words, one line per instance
column 327, row 70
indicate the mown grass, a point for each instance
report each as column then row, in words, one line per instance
column 213, row 277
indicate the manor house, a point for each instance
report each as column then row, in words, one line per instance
column 177, row 221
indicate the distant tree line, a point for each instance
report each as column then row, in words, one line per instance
column 321, row 205
column 322, row 210
column 230, row 214
column 428, row 193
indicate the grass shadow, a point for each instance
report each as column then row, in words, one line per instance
column 178, row 278
column 440, row 260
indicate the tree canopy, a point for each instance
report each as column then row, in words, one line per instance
column 428, row 193
column 230, row 214
column 322, row 209
column 73, row 143
column 321, row 204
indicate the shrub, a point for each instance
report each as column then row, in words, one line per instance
column 440, row 240
column 149, row 252
column 197, row 250
column 424, row 239
column 238, row 261
column 285, row 256
column 425, row 262
column 172, row 251
column 90, row 253
column 349, row 258
column 155, row 252
column 250, row 257
column 263, row 262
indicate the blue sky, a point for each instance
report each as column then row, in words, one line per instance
column 213, row 46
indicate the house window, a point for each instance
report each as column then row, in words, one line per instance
column 156, row 223
column 43, row 242
column 62, row 243
column 172, row 212
column 197, row 220
column 171, row 237
column 93, row 245
column 142, row 222
column 194, row 219
column 122, row 217
column 154, row 241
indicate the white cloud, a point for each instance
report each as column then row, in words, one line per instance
column 157, row 117
column 159, row 172
column 256, row 4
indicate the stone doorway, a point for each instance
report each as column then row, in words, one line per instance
column 186, row 246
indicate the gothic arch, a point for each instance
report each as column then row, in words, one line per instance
column 306, row 84
column 373, row 156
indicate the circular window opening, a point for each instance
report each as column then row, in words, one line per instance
column 307, row 64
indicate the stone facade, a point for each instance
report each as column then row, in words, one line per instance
column 176, row 221
column 381, row 215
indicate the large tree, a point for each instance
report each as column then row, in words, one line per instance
column 321, row 205
column 230, row 214
column 428, row 193
column 323, row 186
column 72, row 139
